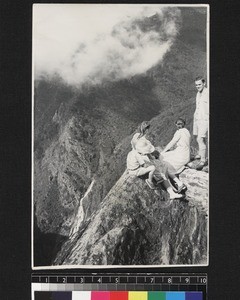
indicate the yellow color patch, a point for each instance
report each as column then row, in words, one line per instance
column 137, row 295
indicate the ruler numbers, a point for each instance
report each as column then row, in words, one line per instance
column 202, row 280
column 61, row 279
column 80, row 279
column 167, row 279
column 44, row 279
column 115, row 279
column 150, row 279
column 97, row 279
column 185, row 280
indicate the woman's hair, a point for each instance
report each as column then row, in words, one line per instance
column 181, row 120
column 142, row 128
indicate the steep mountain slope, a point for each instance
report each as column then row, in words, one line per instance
column 134, row 226
column 82, row 136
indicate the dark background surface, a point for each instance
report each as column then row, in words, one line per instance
column 15, row 152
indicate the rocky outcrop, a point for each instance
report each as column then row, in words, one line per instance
column 134, row 226
column 197, row 183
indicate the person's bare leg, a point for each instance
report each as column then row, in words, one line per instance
column 171, row 174
column 170, row 191
column 150, row 170
column 197, row 156
column 202, row 148
column 150, row 175
column 175, row 179
column 202, row 153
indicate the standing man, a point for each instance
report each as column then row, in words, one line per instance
column 200, row 120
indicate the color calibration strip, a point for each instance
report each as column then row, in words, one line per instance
column 118, row 295
column 119, row 286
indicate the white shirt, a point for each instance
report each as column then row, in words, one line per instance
column 202, row 105
column 135, row 160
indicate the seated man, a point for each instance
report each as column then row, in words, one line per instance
column 138, row 164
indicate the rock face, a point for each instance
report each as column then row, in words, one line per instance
column 134, row 226
column 62, row 177
column 74, row 159
column 197, row 183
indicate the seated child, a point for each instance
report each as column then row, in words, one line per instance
column 138, row 164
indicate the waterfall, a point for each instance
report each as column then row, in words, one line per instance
column 80, row 214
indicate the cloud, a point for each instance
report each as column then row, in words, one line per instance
column 93, row 43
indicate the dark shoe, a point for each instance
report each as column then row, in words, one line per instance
column 157, row 179
column 200, row 166
column 182, row 188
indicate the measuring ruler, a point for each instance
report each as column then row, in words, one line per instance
column 142, row 285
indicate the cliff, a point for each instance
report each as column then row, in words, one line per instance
column 134, row 226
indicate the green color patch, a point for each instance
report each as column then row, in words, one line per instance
column 156, row 296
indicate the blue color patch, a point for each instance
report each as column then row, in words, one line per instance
column 175, row 296
column 194, row 296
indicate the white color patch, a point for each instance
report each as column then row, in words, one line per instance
column 81, row 295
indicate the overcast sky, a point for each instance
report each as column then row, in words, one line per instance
column 92, row 43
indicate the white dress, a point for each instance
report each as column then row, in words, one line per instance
column 180, row 156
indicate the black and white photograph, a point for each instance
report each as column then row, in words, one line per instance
column 120, row 135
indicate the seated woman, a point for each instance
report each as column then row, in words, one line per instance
column 176, row 159
column 138, row 164
column 141, row 134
